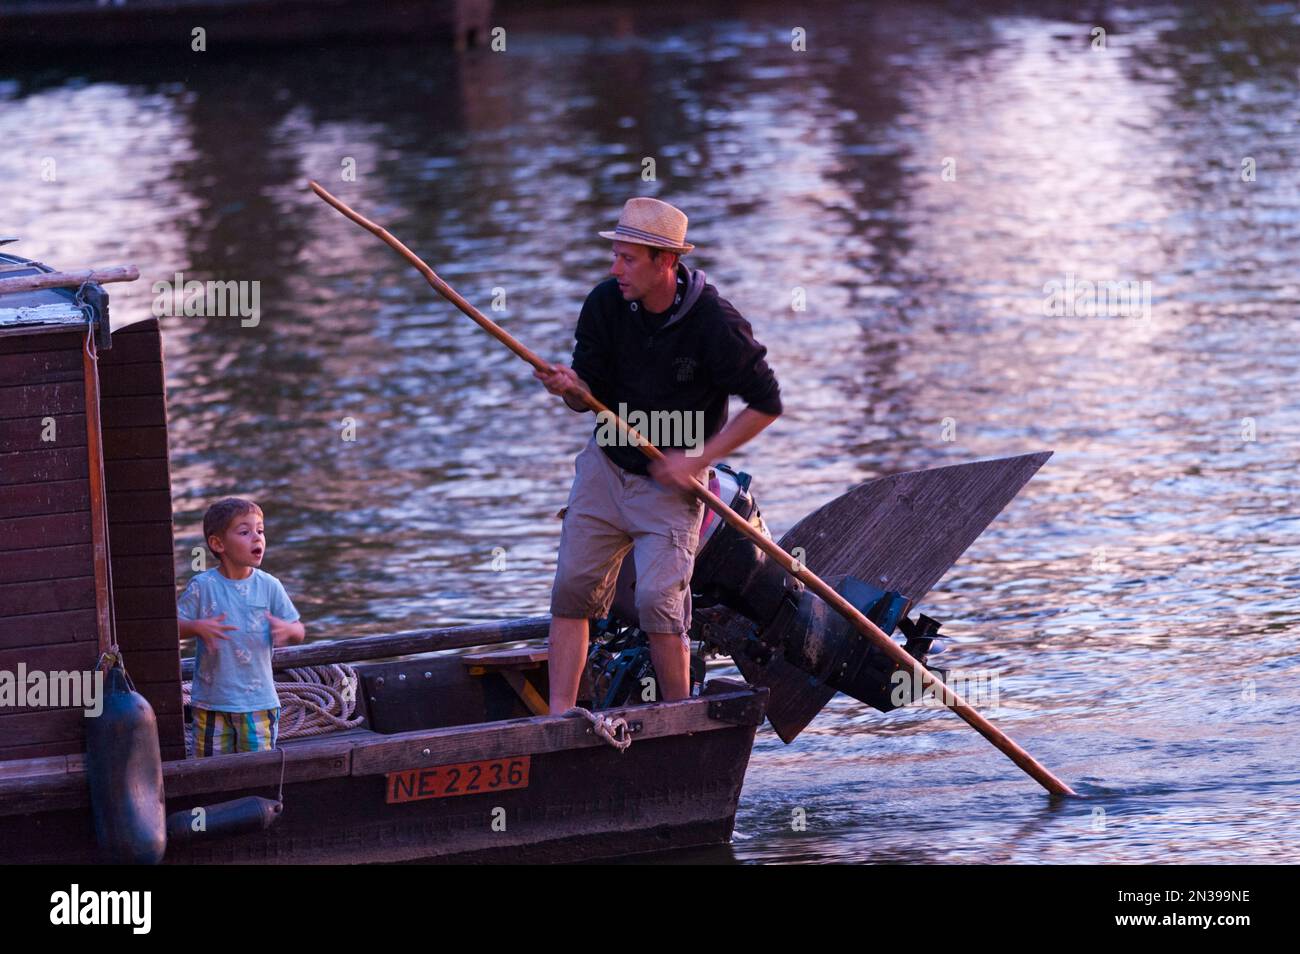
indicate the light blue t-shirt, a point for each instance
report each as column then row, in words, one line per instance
column 237, row 677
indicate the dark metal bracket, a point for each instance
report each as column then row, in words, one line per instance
column 743, row 710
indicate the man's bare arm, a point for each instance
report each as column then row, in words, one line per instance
column 740, row 430
column 678, row 468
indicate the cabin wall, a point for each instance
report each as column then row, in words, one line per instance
column 137, row 480
column 47, row 581
column 47, row 577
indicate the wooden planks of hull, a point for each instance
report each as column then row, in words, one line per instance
column 677, row 786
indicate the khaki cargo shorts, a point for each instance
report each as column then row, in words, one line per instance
column 611, row 511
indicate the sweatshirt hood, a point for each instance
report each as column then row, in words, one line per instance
column 695, row 282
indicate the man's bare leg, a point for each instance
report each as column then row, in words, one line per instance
column 567, row 654
column 671, row 656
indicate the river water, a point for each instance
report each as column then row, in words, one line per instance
column 921, row 173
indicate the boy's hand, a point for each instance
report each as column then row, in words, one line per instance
column 284, row 633
column 211, row 630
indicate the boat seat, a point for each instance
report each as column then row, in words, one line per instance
column 511, row 664
column 497, row 660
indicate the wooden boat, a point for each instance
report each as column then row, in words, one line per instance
column 454, row 758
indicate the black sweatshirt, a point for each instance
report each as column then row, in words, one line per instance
column 690, row 359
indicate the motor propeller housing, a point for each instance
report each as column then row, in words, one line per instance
column 794, row 623
column 815, row 639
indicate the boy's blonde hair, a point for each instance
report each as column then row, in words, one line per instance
column 222, row 514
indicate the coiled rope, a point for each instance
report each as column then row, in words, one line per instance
column 314, row 700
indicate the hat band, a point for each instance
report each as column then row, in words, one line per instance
column 653, row 237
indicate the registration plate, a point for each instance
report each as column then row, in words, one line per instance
column 463, row 778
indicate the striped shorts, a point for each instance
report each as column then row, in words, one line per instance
column 224, row 733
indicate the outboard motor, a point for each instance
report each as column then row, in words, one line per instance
column 786, row 619
column 729, row 568
column 793, row 622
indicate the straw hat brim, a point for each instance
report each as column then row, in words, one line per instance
column 620, row 237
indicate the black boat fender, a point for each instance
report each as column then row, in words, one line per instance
column 236, row 817
column 124, row 771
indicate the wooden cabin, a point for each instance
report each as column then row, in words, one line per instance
column 85, row 508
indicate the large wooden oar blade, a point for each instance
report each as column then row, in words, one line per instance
column 901, row 533
column 905, row 531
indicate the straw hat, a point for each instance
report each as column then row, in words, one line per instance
column 651, row 222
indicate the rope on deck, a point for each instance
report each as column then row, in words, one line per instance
column 314, row 700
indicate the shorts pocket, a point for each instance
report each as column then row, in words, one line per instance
column 686, row 540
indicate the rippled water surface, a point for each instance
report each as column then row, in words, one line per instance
column 1137, row 600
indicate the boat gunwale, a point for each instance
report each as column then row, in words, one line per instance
column 57, row 789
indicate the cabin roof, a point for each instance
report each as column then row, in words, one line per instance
column 37, row 311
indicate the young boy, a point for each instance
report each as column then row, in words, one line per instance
column 237, row 614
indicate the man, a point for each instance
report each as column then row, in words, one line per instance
column 655, row 341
